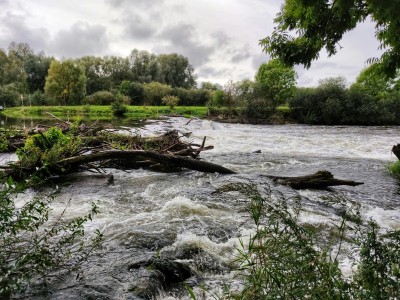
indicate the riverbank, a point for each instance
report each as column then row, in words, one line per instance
column 98, row 112
column 104, row 112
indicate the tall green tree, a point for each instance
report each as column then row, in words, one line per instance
column 176, row 71
column 304, row 28
column 97, row 78
column 371, row 81
column 66, row 82
column 278, row 80
column 117, row 70
column 144, row 66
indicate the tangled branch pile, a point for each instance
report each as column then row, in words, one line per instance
column 68, row 147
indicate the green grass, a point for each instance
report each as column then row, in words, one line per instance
column 103, row 112
column 394, row 169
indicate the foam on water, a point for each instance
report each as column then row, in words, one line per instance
column 318, row 141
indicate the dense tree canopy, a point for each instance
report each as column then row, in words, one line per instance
column 304, row 28
column 25, row 74
column 278, row 80
column 66, row 82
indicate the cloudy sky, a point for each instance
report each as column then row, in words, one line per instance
column 220, row 38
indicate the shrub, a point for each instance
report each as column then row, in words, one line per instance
column 154, row 92
column 394, row 169
column 9, row 95
column 100, row 98
column 46, row 148
column 134, row 90
column 31, row 247
column 118, row 107
column 170, row 101
column 39, row 98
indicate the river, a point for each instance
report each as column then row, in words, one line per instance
column 144, row 213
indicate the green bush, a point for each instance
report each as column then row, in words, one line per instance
column 39, row 98
column 170, row 101
column 31, row 247
column 134, row 90
column 394, row 169
column 332, row 104
column 100, row 98
column 118, row 107
column 154, row 92
column 47, row 148
column 9, row 95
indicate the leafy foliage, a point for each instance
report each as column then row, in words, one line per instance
column 32, row 247
column 47, row 148
column 66, row 82
column 394, row 169
column 118, row 107
column 171, row 101
column 284, row 259
column 333, row 103
column 278, row 80
column 154, row 92
column 304, row 28
column 100, row 98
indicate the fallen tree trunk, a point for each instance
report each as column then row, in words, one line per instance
column 319, row 180
column 140, row 156
column 396, row 151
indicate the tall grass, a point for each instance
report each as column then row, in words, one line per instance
column 394, row 169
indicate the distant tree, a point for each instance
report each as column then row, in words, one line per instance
column 3, row 64
column 144, row 66
column 373, row 82
column 12, row 70
column 176, row 71
column 66, row 82
column 170, row 101
column 36, row 67
column 278, row 80
column 134, row 90
column 24, row 68
column 9, row 95
column 154, row 92
column 97, row 78
column 117, row 70
column 229, row 96
column 208, row 85
column 304, row 28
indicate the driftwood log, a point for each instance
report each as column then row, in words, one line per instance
column 396, row 151
column 319, row 180
column 149, row 157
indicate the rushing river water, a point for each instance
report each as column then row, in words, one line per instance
column 144, row 213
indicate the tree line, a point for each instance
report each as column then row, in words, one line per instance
column 38, row 79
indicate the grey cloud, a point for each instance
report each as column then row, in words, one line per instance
column 15, row 29
column 81, row 39
column 222, row 38
column 182, row 38
column 138, row 27
column 241, row 55
column 257, row 60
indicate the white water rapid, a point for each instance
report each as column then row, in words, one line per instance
column 146, row 213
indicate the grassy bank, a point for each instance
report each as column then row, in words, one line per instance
column 104, row 112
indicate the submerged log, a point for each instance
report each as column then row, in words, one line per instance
column 319, row 180
column 396, row 151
